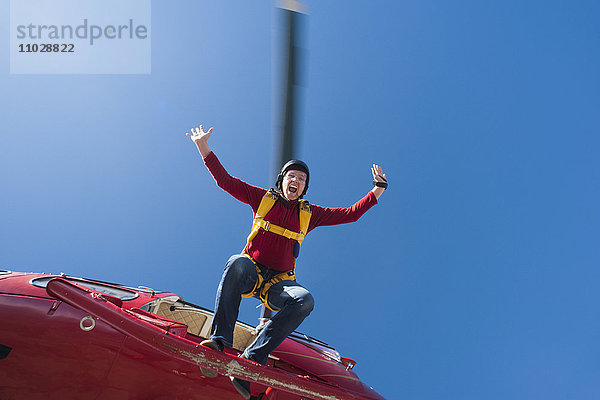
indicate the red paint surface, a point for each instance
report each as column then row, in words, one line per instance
column 133, row 354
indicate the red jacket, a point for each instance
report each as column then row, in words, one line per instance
column 267, row 248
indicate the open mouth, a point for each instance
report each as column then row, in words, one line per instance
column 292, row 189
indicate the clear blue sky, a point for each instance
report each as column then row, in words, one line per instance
column 476, row 277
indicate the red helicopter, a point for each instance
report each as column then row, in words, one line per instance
column 68, row 338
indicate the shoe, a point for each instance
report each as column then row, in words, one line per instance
column 243, row 387
column 214, row 345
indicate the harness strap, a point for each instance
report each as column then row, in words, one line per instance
column 305, row 214
column 269, row 227
column 266, row 204
column 264, row 283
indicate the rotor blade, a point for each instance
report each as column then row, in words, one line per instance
column 292, row 15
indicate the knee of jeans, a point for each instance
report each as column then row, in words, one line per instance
column 306, row 304
column 236, row 266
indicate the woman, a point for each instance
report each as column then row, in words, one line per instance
column 265, row 269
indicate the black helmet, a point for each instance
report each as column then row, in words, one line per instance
column 296, row 165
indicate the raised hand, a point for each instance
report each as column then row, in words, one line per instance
column 200, row 137
column 378, row 177
column 378, row 174
column 198, row 134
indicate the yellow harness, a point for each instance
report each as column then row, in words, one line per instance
column 264, row 283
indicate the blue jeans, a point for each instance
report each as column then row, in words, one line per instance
column 294, row 302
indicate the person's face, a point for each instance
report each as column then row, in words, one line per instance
column 293, row 184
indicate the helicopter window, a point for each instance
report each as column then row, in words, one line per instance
column 96, row 286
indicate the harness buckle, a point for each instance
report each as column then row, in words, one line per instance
column 268, row 226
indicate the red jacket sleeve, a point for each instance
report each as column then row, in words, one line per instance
column 322, row 216
column 239, row 189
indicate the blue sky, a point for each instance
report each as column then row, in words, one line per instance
column 477, row 274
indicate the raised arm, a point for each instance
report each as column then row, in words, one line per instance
column 239, row 189
column 323, row 216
